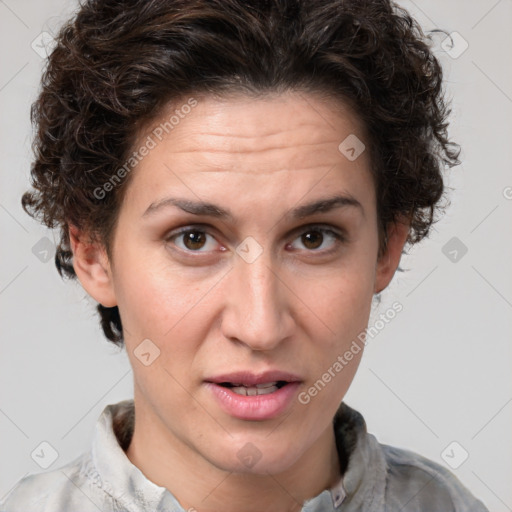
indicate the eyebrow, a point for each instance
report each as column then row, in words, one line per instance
column 211, row 210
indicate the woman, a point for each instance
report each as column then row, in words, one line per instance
column 234, row 182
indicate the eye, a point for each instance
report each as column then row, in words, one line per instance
column 192, row 240
column 314, row 239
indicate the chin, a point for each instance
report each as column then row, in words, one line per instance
column 254, row 457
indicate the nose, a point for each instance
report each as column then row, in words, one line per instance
column 257, row 312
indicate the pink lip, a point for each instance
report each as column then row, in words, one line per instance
column 254, row 408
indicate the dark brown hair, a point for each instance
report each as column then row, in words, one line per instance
column 118, row 63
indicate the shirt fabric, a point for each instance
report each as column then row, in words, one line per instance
column 377, row 477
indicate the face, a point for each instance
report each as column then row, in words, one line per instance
column 245, row 255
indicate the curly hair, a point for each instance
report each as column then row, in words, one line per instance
column 117, row 64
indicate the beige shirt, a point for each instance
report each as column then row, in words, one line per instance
column 377, row 477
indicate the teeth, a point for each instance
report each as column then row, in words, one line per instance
column 266, row 385
column 260, row 389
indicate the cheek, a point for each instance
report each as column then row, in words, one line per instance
column 160, row 305
column 170, row 308
column 345, row 297
column 153, row 295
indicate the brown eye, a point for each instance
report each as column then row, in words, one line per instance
column 194, row 240
column 318, row 239
column 312, row 239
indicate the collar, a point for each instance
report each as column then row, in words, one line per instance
column 362, row 466
column 113, row 471
column 363, row 479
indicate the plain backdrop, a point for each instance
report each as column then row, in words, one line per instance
column 435, row 380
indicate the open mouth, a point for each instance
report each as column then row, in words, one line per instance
column 251, row 396
column 258, row 389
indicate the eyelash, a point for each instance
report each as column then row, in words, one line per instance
column 339, row 237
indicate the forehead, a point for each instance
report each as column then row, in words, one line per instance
column 280, row 138
column 240, row 123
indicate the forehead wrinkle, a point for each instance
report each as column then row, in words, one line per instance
column 288, row 158
column 200, row 148
column 263, row 172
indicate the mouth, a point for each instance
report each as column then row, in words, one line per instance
column 255, row 397
column 259, row 389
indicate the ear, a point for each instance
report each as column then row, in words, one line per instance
column 92, row 267
column 387, row 263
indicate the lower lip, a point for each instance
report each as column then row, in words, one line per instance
column 254, row 408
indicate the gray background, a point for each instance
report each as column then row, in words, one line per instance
column 439, row 372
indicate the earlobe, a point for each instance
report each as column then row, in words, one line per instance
column 92, row 267
column 387, row 263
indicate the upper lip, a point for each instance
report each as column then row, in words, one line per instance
column 247, row 378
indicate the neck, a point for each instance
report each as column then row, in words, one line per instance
column 171, row 464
